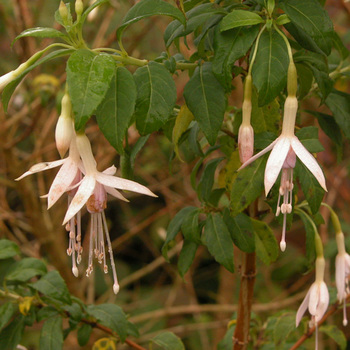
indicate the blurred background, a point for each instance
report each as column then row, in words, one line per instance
column 199, row 307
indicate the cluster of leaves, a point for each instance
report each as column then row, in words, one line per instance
column 37, row 295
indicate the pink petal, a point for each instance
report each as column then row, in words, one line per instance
column 115, row 193
column 323, row 301
column 302, row 309
column 252, row 159
column 110, row 171
column 122, row 184
column 275, row 162
column 309, row 161
column 340, row 276
column 314, row 298
column 84, row 192
column 41, row 167
column 62, row 181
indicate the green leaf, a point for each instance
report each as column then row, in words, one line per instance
column 90, row 8
column 206, row 182
column 241, row 231
column 226, row 342
column 8, row 249
column 196, row 17
column 40, row 32
column 88, row 76
column 229, row 46
column 186, row 256
column 329, row 126
column 305, row 80
column 312, row 19
column 218, row 241
column 6, row 312
column 115, row 112
column 310, row 239
column 339, row 103
column 271, row 66
column 190, row 226
column 336, row 334
column 25, row 269
column 239, row 18
column 205, row 98
column 247, row 186
column 340, row 47
column 52, row 285
column 51, row 336
column 265, row 242
column 111, row 316
column 174, row 228
column 284, row 326
column 308, row 136
column 156, row 97
column 168, row 341
column 312, row 190
column 12, row 334
column 10, row 88
column 84, row 333
column 147, row 8
column 46, row 312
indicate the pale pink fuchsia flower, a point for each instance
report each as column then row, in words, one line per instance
column 283, row 156
column 92, row 191
column 317, row 298
column 342, row 273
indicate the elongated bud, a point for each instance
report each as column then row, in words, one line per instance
column 320, row 267
column 292, row 80
column 289, row 116
column 64, row 127
column 245, row 142
column 79, row 7
column 63, row 12
column 10, row 76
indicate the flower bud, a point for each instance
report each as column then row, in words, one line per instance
column 245, row 142
column 79, row 7
column 64, row 128
column 63, row 11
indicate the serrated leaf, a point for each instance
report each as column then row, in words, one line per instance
column 186, row 256
column 41, row 32
column 218, row 241
column 190, row 226
column 312, row 19
column 174, row 228
column 115, row 112
column 112, row 316
column 51, row 336
column 182, row 122
column 168, row 341
column 247, row 186
column 147, row 8
column 8, row 249
column 238, row 18
column 156, row 97
column 10, row 88
column 339, row 103
column 229, row 46
column 84, row 333
column 308, row 136
column 6, row 312
column 25, row 269
column 284, row 326
column 11, row 335
column 205, row 97
column 270, row 67
column 266, row 246
column 241, row 230
column 336, row 334
column 52, row 285
column 196, row 17
column 88, row 77
column 312, row 190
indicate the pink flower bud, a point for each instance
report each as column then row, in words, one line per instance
column 64, row 128
column 245, row 142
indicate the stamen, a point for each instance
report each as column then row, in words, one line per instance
column 345, row 319
column 283, row 239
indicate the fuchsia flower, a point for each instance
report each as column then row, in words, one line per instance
column 316, row 300
column 283, row 156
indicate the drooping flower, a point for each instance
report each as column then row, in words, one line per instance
column 316, row 300
column 342, row 273
column 283, row 155
column 92, row 191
